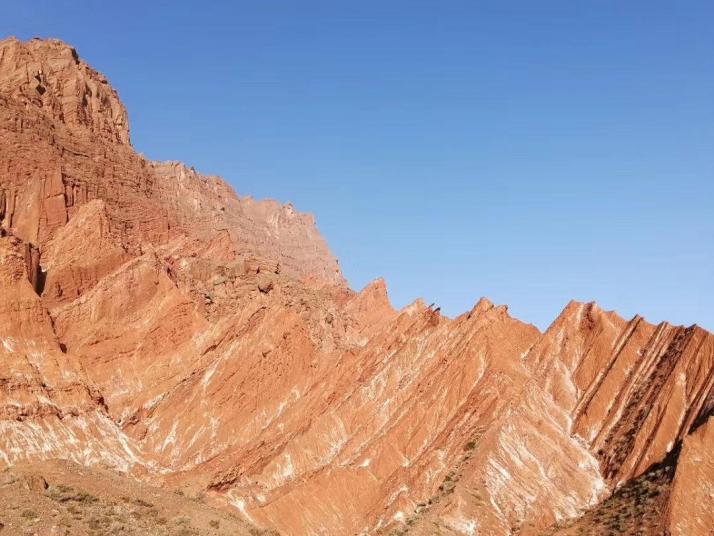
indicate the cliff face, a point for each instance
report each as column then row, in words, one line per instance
column 66, row 142
column 154, row 321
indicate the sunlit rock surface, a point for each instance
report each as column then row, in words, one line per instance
column 155, row 322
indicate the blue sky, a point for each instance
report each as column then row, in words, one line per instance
column 530, row 152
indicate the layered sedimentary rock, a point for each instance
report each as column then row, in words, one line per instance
column 48, row 406
column 690, row 507
column 606, row 400
column 154, row 321
column 66, row 142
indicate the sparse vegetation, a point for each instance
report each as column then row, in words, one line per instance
column 182, row 521
column 29, row 514
column 636, row 508
column 449, row 482
column 262, row 532
column 89, row 505
column 65, row 494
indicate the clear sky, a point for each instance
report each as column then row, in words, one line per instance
column 531, row 152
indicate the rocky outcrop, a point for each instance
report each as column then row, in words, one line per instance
column 632, row 390
column 49, row 77
column 154, row 321
column 605, row 401
column 690, row 505
column 48, row 406
column 70, row 145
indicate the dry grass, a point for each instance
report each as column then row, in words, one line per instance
column 94, row 502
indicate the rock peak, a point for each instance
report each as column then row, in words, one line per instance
column 484, row 304
column 48, row 76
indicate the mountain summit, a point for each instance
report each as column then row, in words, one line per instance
column 155, row 323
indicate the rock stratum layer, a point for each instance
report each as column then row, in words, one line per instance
column 155, row 323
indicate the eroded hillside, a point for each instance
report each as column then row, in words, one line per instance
column 154, row 322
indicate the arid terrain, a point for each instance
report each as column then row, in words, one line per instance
column 60, row 497
column 177, row 359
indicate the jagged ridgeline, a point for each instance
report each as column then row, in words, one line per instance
column 155, row 323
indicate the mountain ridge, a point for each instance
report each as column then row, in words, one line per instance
column 158, row 323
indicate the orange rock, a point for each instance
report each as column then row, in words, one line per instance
column 690, row 510
column 154, row 321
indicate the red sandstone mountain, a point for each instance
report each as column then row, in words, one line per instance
column 154, row 322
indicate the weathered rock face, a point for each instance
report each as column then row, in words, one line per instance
column 632, row 390
column 48, row 77
column 606, row 399
column 154, row 321
column 48, row 406
column 690, row 506
column 67, row 144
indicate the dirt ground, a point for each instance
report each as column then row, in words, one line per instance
column 59, row 498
